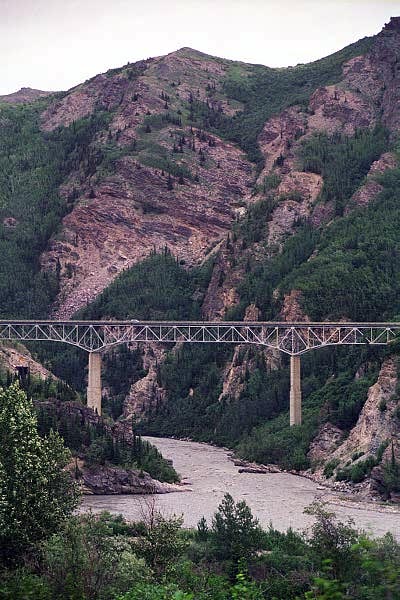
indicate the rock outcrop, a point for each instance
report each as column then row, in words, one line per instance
column 108, row 480
column 95, row 478
column 118, row 219
column 371, row 188
column 375, row 424
column 325, row 442
column 133, row 213
column 146, row 393
column 15, row 355
column 222, row 291
column 291, row 309
column 24, row 95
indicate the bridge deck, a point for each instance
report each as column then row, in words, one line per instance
column 290, row 337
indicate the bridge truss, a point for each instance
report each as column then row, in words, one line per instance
column 290, row 338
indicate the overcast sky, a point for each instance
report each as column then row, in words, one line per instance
column 56, row 44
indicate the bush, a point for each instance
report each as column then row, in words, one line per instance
column 271, row 182
column 153, row 591
column 87, row 560
column 163, row 542
column 332, row 540
column 330, row 467
column 23, row 585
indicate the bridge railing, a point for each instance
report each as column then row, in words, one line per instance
column 291, row 338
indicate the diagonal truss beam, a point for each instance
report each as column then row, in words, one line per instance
column 291, row 338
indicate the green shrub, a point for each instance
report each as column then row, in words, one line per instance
column 357, row 455
column 270, row 182
column 88, row 560
column 330, row 467
column 23, row 585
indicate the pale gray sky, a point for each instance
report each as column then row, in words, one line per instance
column 56, row 44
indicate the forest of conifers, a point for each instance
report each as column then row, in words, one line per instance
column 345, row 269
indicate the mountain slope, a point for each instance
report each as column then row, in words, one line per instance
column 24, row 96
column 286, row 179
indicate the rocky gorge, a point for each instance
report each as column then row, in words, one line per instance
column 269, row 195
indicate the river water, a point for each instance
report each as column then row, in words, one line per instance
column 277, row 498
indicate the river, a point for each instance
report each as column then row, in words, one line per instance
column 277, row 498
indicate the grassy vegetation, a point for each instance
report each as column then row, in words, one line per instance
column 266, row 92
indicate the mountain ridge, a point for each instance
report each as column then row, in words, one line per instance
column 24, row 95
column 261, row 192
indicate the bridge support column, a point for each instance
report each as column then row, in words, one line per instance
column 295, row 391
column 94, row 382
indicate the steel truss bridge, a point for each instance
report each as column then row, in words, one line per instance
column 291, row 338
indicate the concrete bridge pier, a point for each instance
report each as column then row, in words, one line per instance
column 94, row 382
column 295, row 391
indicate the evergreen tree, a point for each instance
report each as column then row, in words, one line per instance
column 236, row 533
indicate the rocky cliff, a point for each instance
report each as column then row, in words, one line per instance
column 170, row 184
column 158, row 160
column 174, row 186
column 109, row 480
column 14, row 355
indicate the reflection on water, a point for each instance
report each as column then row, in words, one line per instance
column 277, row 498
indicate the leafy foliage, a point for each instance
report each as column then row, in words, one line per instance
column 101, row 557
column 162, row 543
column 235, row 533
column 86, row 559
column 36, row 495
